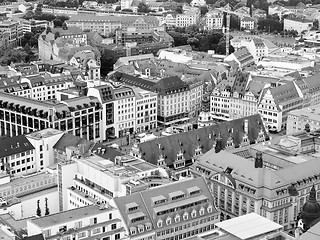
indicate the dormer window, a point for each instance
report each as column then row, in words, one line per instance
column 161, row 161
column 177, row 218
column 209, row 209
column 185, row 216
column 168, row 221
column 193, row 213
column 159, row 223
column 201, row 211
column 176, row 195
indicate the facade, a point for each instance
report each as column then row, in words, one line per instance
column 247, row 23
column 14, row 29
column 214, row 20
column 177, row 152
column 297, row 24
column 146, row 109
column 303, row 119
column 108, row 24
column 188, row 18
column 160, row 212
column 242, row 57
column 264, row 181
column 257, row 48
column 79, row 116
column 275, row 103
column 96, row 221
column 176, row 98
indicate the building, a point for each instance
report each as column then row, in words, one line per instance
column 79, row 116
column 256, row 181
column 250, row 226
column 297, row 24
column 242, row 56
column 108, row 24
column 275, row 103
column 146, row 109
column 214, row 20
column 247, row 23
column 177, row 152
column 14, row 29
column 303, row 119
column 188, row 18
column 176, row 98
column 97, row 221
column 257, row 48
column 185, row 209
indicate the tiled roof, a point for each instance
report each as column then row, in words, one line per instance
column 284, row 93
column 68, row 31
column 134, row 81
column 243, row 55
column 313, row 81
column 205, row 137
column 170, row 84
column 13, row 145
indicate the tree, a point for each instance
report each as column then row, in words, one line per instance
column 179, row 9
column 38, row 209
column 126, row 10
column 193, row 41
column 28, row 15
column 316, row 24
column 142, row 7
column 203, row 10
column 57, row 23
column 47, row 209
column 234, row 22
column 56, row 35
column 118, row 8
column 38, row 10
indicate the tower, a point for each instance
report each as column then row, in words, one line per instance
column 258, row 162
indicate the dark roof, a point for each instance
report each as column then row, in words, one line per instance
column 34, row 237
column 69, row 140
column 107, row 153
column 134, row 81
column 284, row 93
column 243, row 55
column 313, row 82
column 168, row 84
column 14, row 145
column 205, row 137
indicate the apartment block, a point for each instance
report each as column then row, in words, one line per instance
column 14, row 29
column 214, row 20
column 297, row 24
column 188, row 18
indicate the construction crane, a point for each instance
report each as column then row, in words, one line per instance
column 227, row 32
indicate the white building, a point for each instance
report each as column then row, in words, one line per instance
column 188, row 18
column 101, row 221
column 214, row 20
column 146, row 109
column 297, row 24
column 247, row 23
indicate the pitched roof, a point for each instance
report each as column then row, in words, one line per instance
column 69, row 140
column 134, row 81
column 284, row 93
column 204, row 138
column 35, row 237
column 144, row 202
column 68, row 31
column 243, row 55
column 169, row 84
column 13, row 145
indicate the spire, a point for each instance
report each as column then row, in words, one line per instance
column 313, row 194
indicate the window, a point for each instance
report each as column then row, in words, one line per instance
column 159, row 224
column 113, row 226
column 168, row 221
column 81, row 234
column 117, row 236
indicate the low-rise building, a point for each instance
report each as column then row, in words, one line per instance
column 297, row 24
column 247, row 23
column 98, row 221
column 14, row 29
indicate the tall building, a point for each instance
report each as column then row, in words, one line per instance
column 214, row 20
column 14, row 29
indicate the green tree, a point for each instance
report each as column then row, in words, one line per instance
column 57, row 23
column 28, row 15
column 38, row 10
column 179, row 9
column 118, row 8
column 193, row 41
column 142, row 7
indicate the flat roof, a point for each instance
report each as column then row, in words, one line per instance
column 248, row 226
column 71, row 215
column 48, row 132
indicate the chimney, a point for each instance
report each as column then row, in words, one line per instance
column 258, row 163
column 246, row 126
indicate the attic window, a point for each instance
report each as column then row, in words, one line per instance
column 228, row 170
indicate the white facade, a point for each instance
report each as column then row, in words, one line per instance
column 298, row 25
column 146, row 110
column 243, row 106
column 43, row 142
column 187, row 19
column 247, row 23
column 214, row 20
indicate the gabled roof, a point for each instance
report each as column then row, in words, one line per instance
column 284, row 93
column 204, row 138
column 134, row 81
column 69, row 140
column 313, row 81
column 35, row 237
column 243, row 55
column 105, row 152
column 13, row 145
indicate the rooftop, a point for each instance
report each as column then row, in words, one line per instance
column 312, row 113
column 71, row 215
column 45, row 133
column 249, row 226
column 13, row 145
